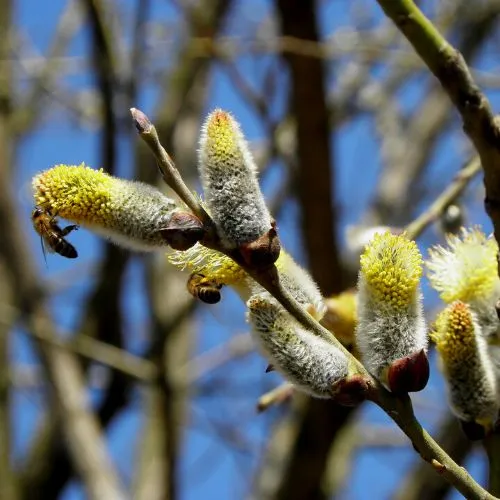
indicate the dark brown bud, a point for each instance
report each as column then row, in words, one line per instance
column 184, row 230
column 409, row 374
column 351, row 390
column 269, row 368
column 263, row 252
column 473, row 431
column 452, row 218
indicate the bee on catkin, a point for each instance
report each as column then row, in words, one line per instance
column 131, row 214
column 391, row 334
column 220, row 269
column 204, row 289
column 52, row 235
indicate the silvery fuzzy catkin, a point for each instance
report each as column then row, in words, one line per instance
column 391, row 323
column 466, row 365
column 131, row 214
column 311, row 363
column 229, row 178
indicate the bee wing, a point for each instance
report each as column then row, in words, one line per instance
column 42, row 243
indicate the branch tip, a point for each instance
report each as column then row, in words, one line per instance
column 141, row 121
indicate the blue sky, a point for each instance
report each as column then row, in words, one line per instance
column 209, row 466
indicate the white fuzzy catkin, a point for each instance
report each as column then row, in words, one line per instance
column 142, row 211
column 391, row 322
column 229, row 178
column 309, row 362
column 299, row 283
column 383, row 339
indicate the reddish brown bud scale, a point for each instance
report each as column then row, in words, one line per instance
column 184, row 231
column 409, row 374
column 263, row 252
column 352, row 390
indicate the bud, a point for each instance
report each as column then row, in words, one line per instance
column 466, row 270
column 233, row 197
column 391, row 331
column 310, row 362
column 223, row 270
column 131, row 214
column 452, row 219
column 466, row 365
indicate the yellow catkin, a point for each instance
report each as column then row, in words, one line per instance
column 212, row 264
column 222, row 136
column 391, row 268
column 454, row 333
column 77, row 193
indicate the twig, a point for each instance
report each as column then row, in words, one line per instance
column 451, row 193
column 8, row 486
column 274, row 397
column 47, row 70
column 107, row 354
column 167, row 168
column 206, row 362
column 492, row 447
column 92, row 349
column 421, row 481
column 449, row 67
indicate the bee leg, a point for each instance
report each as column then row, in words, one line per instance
column 66, row 230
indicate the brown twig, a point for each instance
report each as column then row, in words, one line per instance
column 451, row 193
column 275, row 396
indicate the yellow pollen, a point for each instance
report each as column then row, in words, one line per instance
column 391, row 267
column 454, row 334
column 78, row 193
column 214, row 265
column 222, row 135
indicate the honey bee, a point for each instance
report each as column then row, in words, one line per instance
column 203, row 288
column 51, row 235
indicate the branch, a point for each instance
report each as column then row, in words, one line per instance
column 451, row 193
column 492, row 447
column 399, row 408
column 106, row 354
column 8, row 489
column 275, row 396
column 314, row 147
column 422, row 481
column 449, row 67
